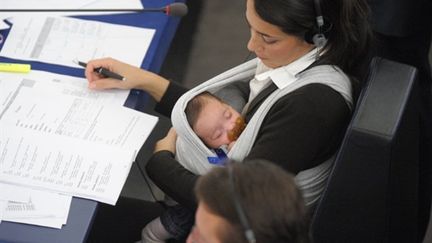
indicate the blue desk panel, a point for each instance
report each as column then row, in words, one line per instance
column 82, row 210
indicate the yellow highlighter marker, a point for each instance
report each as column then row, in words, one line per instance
column 14, row 67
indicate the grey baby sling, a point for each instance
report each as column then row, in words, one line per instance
column 193, row 154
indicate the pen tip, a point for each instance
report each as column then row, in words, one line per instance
column 82, row 64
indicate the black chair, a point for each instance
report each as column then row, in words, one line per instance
column 428, row 234
column 372, row 192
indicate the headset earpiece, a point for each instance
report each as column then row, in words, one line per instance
column 319, row 39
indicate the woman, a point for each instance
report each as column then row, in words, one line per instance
column 304, row 128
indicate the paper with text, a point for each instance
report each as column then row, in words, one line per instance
column 57, row 83
column 58, row 136
column 48, row 112
column 62, row 164
column 14, row 193
column 3, row 205
column 67, row 4
column 60, row 40
column 43, row 208
column 70, row 4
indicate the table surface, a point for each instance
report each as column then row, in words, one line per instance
column 82, row 211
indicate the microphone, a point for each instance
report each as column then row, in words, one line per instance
column 173, row 9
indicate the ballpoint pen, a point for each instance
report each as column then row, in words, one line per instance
column 103, row 71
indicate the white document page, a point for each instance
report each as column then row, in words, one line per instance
column 113, row 4
column 71, row 4
column 8, row 89
column 60, row 40
column 67, row 4
column 3, row 205
column 44, row 4
column 57, row 83
column 76, row 117
column 44, row 208
column 61, row 164
column 14, row 193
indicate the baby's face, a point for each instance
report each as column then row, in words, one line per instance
column 216, row 123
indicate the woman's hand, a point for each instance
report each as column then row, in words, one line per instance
column 168, row 142
column 136, row 78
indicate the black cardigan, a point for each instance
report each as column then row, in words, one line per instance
column 302, row 129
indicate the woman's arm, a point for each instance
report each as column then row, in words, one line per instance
column 166, row 93
column 136, row 78
column 168, row 174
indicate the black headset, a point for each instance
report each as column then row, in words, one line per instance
column 318, row 39
column 248, row 232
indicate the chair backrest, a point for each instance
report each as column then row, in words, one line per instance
column 372, row 192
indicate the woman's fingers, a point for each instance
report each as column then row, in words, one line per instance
column 107, row 83
column 107, row 63
column 136, row 78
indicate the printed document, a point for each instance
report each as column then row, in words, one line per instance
column 61, row 40
column 56, row 136
column 42, row 208
column 14, row 193
column 57, row 83
column 67, row 4
column 62, row 164
column 78, row 118
column 54, row 105
column 71, row 4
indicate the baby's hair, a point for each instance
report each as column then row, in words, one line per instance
column 196, row 104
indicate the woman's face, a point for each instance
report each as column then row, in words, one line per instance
column 274, row 47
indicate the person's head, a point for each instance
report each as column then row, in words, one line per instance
column 214, row 121
column 268, row 197
column 282, row 31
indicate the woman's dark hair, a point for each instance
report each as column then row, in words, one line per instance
column 270, row 200
column 346, row 28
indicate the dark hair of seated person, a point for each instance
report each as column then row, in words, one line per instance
column 268, row 196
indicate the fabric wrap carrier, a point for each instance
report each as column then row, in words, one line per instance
column 193, row 154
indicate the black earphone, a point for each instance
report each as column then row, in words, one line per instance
column 317, row 35
column 248, row 232
column 319, row 39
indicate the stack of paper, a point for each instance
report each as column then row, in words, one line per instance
column 59, row 137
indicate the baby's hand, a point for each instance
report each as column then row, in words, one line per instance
column 168, row 142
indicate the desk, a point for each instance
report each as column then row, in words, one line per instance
column 82, row 210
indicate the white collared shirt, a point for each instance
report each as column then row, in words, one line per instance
column 281, row 76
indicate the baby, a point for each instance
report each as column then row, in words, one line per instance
column 218, row 125
column 215, row 122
